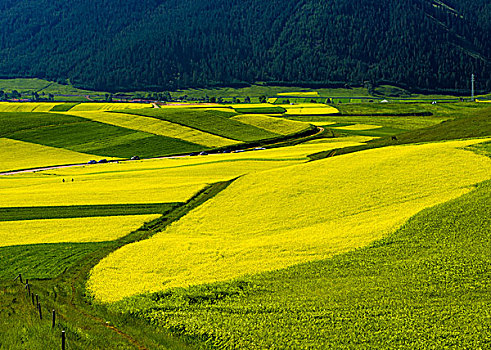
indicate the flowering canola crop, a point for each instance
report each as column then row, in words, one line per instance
column 157, row 127
column 309, row 109
column 150, row 181
column 108, row 106
column 25, row 155
column 90, row 229
column 304, row 93
column 26, row 106
column 273, row 219
column 358, row 127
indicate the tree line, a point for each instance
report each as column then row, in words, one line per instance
column 161, row 45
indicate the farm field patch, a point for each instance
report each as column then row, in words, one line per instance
column 64, row 107
column 209, row 121
column 273, row 124
column 358, row 127
column 395, row 122
column 157, row 127
column 86, row 136
column 16, row 154
column 80, row 211
column 304, row 93
column 149, row 181
column 89, row 229
column 357, row 198
column 46, row 260
column 309, row 109
column 108, row 106
column 27, row 106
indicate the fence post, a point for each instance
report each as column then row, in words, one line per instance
column 39, row 309
column 53, row 320
column 32, row 298
column 63, row 340
column 19, row 276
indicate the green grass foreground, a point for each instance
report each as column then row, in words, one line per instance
column 57, row 274
column 427, row 286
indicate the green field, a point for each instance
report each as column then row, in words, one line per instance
column 80, row 135
column 213, row 122
column 76, row 211
column 370, row 233
column 64, row 107
column 260, row 110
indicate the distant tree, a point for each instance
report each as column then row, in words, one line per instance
column 247, row 99
column 220, row 100
column 51, row 97
column 2, row 95
column 213, row 99
column 15, row 94
column 262, row 99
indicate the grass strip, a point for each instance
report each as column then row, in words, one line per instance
column 75, row 211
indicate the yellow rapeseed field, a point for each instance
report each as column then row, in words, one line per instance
column 16, row 155
column 274, row 124
column 358, row 127
column 273, row 219
column 157, row 127
column 149, row 181
column 90, row 229
column 309, row 109
column 302, row 94
column 26, row 106
column 99, row 106
column 322, row 123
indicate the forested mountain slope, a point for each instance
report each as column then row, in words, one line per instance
column 168, row 44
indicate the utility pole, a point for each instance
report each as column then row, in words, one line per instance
column 472, row 87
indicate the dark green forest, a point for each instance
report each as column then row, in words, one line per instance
column 111, row 45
